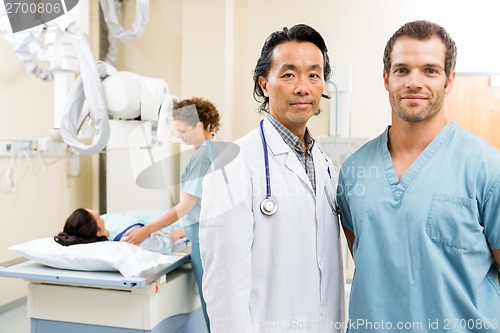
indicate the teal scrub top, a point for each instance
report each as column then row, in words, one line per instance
column 422, row 245
column 192, row 180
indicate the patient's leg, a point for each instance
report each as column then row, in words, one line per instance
column 177, row 234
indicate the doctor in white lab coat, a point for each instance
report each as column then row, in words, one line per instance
column 281, row 272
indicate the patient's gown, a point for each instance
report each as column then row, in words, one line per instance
column 117, row 223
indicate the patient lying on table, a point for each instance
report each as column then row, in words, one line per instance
column 88, row 226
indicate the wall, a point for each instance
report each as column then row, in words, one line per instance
column 43, row 198
column 213, row 47
column 356, row 32
column 45, row 195
column 157, row 52
column 361, row 28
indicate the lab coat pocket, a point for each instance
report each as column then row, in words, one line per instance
column 453, row 221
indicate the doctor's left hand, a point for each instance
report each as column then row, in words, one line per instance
column 136, row 236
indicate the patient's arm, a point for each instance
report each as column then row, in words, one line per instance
column 176, row 235
column 138, row 235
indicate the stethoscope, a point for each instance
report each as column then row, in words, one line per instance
column 267, row 206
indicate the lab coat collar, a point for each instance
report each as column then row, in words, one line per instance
column 277, row 147
column 323, row 168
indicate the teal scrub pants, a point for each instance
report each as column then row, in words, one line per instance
column 192, row 235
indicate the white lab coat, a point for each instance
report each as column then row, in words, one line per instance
column 271, row 274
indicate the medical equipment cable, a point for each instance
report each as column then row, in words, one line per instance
column 54, row 161
column 110, row 10
column 112, row 53
column 9, row 178
column 88, row 84
column 337, row 125
column 26, row 44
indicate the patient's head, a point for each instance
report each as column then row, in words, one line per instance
column 83, row 226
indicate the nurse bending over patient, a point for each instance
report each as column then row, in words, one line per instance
column 88, row 226
column 197, row 122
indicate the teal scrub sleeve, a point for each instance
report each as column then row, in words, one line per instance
column 345, row 213
column 491, row 216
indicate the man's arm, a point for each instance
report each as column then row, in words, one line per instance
column 345, row 212
column 496, row 254
column 349, row 235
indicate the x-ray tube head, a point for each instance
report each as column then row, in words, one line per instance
column 132, row 96
column 123, row 94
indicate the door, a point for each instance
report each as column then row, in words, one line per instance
column 475, row 106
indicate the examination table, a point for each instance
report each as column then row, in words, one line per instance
column 162, row 299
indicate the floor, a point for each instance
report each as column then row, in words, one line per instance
column 14, row 318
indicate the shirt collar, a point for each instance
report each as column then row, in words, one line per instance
column 291, row 139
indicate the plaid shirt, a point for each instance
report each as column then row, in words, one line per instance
column 306, row 159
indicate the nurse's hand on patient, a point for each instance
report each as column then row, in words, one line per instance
column 136, row 236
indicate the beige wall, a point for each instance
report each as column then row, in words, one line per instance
column 361, row 29
column 157, row 52
column 45, row 195
column 213, row 47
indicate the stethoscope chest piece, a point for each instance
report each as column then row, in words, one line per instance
column 268, row 206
